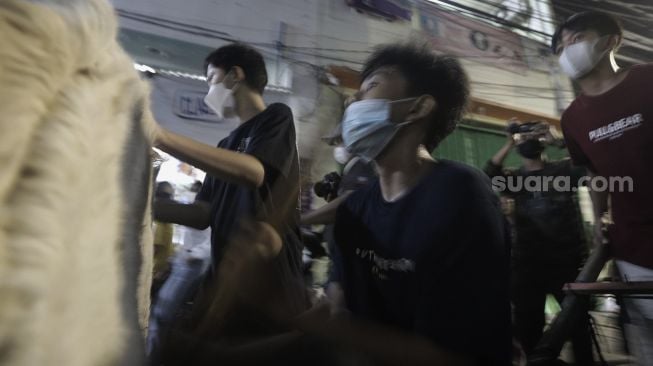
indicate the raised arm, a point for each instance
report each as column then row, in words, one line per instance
column 501, row 155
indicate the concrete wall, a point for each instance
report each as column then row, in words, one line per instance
column 163, row 98
column 326, row 32
column 345, row 36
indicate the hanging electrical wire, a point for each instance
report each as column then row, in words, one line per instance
column 493, row 18
column 536, row 14
column 208, row 32
column 306, row 51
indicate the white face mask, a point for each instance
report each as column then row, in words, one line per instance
column 578, row 59
column 219, row 98
column 341, row 155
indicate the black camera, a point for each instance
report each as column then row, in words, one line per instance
column 327, row 188
column 534, row 127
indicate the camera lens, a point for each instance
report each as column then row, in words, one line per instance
column 320, row 189
column 513, row 128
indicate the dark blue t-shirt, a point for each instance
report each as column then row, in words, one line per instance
column 434, row 262
column 270, row 137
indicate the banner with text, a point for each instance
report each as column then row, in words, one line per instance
column 471, row 39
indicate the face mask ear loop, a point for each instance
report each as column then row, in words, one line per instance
column 406, row 123
column 224, row 79
column 235, row 86
column 606, row 51
column 403, row 100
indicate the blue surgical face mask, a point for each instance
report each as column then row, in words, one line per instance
column 367, row 129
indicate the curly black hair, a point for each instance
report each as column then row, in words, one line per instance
column 442, row 77
column 239, row 54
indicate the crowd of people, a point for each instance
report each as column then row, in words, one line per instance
column 426, row 268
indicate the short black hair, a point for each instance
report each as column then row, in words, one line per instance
column 239, row 54
column 442, row 77
column 598, row 21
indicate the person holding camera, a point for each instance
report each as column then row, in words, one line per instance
column 335, row 188
column 550, row 245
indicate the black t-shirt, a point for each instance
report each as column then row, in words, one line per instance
column 270, row 137
column 355, row 174
column 548, row 222
column 434, row 262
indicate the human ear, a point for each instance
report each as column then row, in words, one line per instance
column 615, row 42
column 422, row 107
column 612, row 42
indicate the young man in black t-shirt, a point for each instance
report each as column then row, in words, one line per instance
column 422, row 250
column 252, row 182
column 550, row 246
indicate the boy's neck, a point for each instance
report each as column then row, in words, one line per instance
column 605, row 76
column 400, row 170
column 248, row 105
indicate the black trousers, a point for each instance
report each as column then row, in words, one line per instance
column 531, row 282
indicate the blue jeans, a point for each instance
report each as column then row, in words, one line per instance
column 180, row 288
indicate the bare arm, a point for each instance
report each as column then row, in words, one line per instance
column 325, row 214
column 224, row 164
column 600, row 207
column 195, row 215
column 501, row 155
